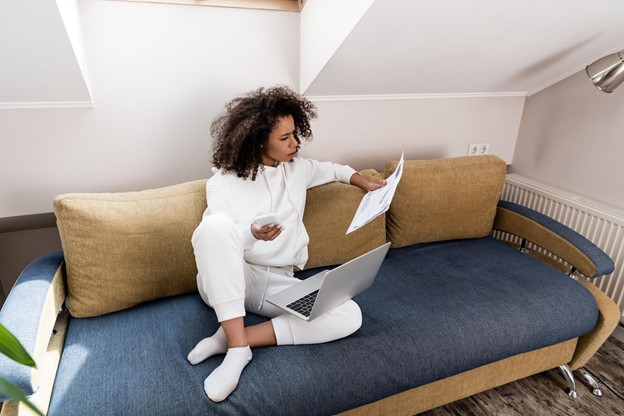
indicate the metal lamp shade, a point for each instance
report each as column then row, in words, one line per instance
column 608, row 72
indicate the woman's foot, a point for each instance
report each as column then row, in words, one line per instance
column 207, row 347
column 224, row 379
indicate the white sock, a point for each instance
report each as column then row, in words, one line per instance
column 207, row 347
column 224, row 379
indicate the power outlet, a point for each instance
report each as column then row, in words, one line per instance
column 477, row 149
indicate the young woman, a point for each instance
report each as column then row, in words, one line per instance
column 240, row 263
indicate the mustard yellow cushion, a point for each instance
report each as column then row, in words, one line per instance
column 129, row 247
column 328, row 214
column 445, row 199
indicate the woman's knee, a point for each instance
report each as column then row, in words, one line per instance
column 213, row 228
column 340, row 322
column 351, row 316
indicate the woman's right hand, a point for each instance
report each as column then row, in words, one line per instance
column 268, row 232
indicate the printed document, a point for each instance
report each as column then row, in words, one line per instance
column 378, row 201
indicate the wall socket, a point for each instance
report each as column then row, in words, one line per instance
column 477, row 149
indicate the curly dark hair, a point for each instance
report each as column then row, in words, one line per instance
column 240, row 133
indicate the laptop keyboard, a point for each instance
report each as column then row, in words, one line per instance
column 304, row 305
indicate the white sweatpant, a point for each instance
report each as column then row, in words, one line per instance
column 231, row 286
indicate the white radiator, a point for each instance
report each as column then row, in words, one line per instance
column 601, row 225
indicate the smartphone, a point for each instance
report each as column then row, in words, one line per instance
column 267, row 219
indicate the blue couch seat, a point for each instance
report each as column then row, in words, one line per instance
column 496, row 302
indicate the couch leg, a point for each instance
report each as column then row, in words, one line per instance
column 569, row 377
column 596, row 390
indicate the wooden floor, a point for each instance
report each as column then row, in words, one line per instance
column 544, row 394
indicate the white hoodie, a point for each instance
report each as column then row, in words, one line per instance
column 280, row 190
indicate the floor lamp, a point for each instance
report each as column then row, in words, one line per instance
column 608, row 72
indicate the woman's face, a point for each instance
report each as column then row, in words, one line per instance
column 282, row 145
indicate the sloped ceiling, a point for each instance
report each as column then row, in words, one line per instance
column 39, row 61
column 470, row 47
column 398, row 47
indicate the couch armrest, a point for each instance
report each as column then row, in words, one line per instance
column 608, row 318
column 30, row 312
column 553, row 236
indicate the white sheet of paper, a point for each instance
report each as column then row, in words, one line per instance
column 376, row 202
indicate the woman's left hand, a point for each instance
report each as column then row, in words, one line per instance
column 366, row 184
column 375, row 184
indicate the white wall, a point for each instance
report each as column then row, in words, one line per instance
column 159, row 75
column 367, row 133
column 572, row 137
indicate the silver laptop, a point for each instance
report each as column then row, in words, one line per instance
column 318, row 294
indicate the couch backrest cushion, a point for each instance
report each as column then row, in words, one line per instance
column 328, row 214
column 125, row 248
column 444, row 199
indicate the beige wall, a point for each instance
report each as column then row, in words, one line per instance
column 572, row 137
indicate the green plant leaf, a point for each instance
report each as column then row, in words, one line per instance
column 11, row 347
column 14, row 392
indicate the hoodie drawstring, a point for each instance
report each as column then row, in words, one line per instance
column 299, row 219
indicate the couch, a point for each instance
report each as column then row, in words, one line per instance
column 474, row 293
